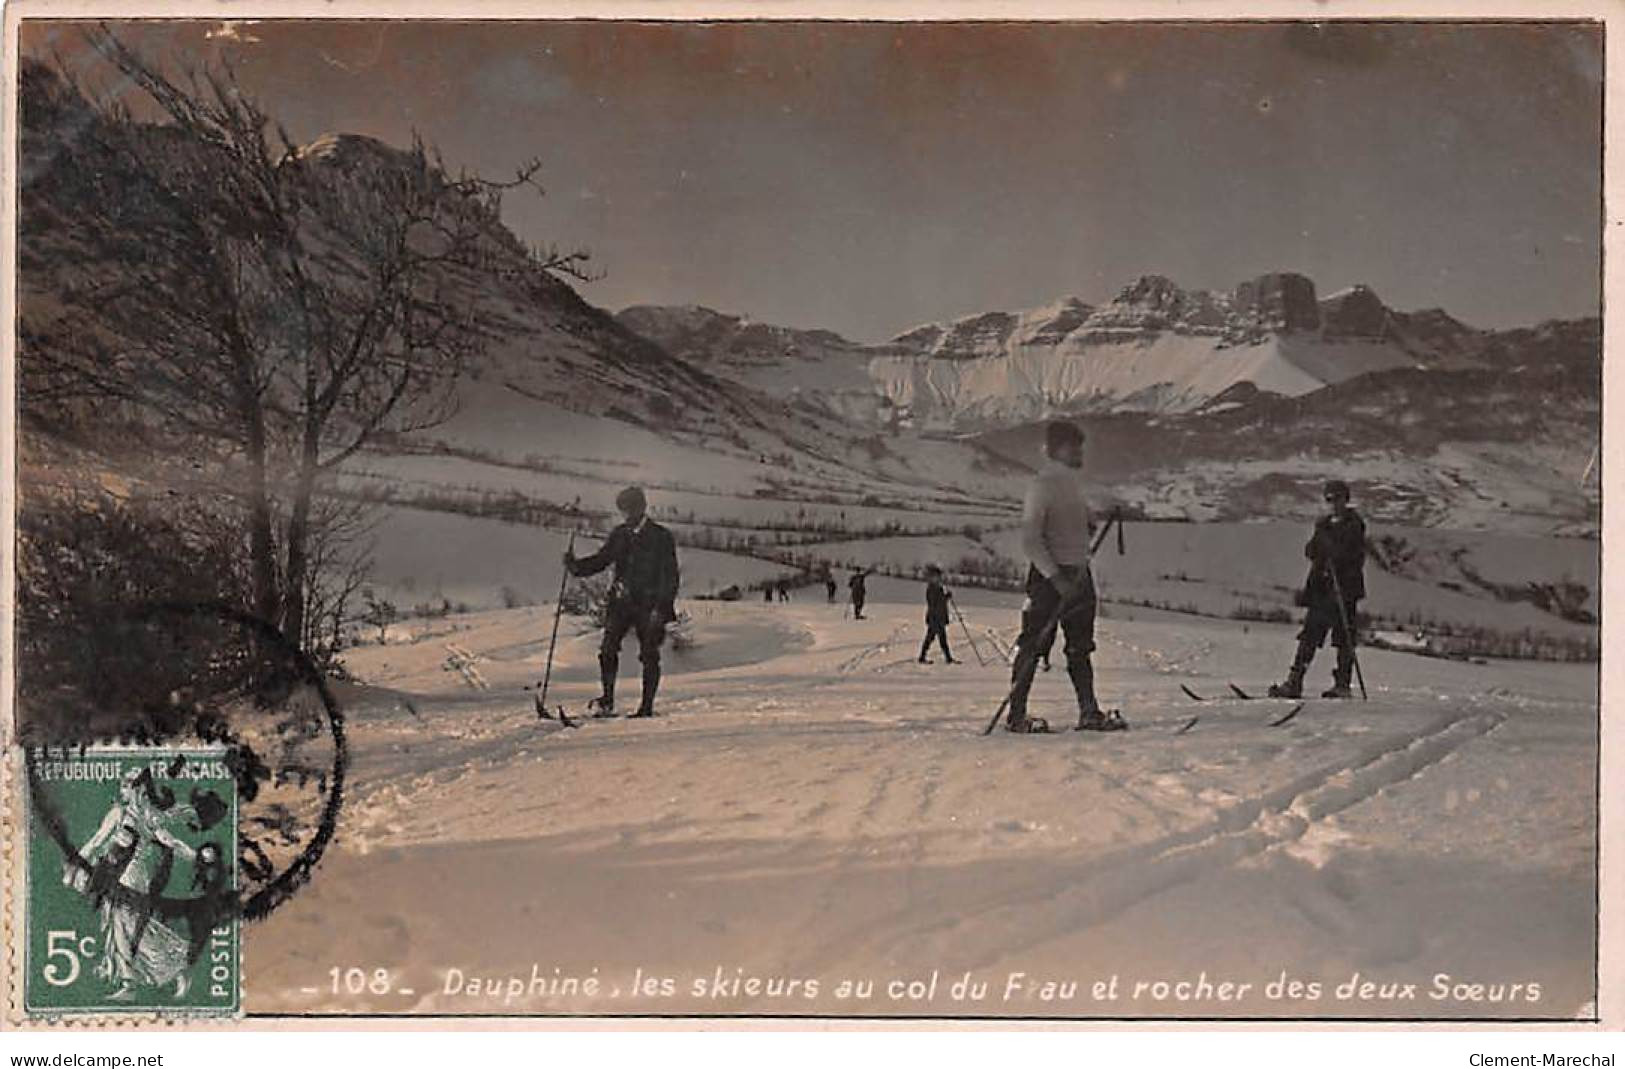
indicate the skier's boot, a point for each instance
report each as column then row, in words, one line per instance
column 1027, row 725
column 651, row 684
column 1340, row 676
column 1292, row 686
column 1101, row 720
column 1082, row 673
column 603, row 706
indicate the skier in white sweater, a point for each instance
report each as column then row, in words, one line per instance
column 1055, row 531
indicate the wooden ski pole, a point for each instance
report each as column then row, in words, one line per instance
column 1027, row 660
column 968, row 636
column 552, row 643
column 1100, row 536
column 1348, row 631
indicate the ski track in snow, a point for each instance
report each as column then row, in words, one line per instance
column 1114, row 882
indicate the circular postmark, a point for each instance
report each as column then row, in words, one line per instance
column 209, row 676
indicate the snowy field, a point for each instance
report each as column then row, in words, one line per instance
column 816, row 810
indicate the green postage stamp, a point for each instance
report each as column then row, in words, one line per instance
column 132, row 898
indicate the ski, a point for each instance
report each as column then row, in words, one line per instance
column 557, row 713
column 1188, row 724
column 1237, row 692
column 1290, row 713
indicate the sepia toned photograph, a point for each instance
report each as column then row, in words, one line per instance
column 728, row 520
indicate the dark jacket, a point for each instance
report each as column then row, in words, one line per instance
column 936, row 603
column 856, row 583
column 645, row 562
column 1337, row 544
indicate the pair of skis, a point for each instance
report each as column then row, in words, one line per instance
column 1244, row 696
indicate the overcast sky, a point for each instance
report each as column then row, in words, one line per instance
column 866, row 178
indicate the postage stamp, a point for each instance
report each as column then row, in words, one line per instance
column 132, row 882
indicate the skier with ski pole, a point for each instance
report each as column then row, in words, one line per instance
column 1330, row 596
column 642, row 596
column 1060, row 588
column 936, row 615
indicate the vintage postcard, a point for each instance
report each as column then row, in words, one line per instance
column 1005, row 520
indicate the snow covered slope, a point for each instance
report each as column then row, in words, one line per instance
column 816, row 807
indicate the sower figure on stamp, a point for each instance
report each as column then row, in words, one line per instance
column 936, row 615
column 132, row 852
column 642, row 597
column 1331, row 594
column 1055, row 529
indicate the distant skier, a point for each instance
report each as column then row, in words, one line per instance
column 936, row 614
column 642, row 597
column 1331, row 594
column 767, row 593
column 830, row 587
column 784, row 590
column 1055, row 525
column 860, row 593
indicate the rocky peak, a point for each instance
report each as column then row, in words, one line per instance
column 1155, row 303
column 1278, row 302
column 1049, row 326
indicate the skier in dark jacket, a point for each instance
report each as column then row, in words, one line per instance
column 1331, row 594
column 642, row 597
column 829, row 587
column 860, row 594
column 936, row 614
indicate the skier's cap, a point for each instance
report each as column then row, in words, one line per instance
column 631, row 499
column 1337, row 488
column 932, row 569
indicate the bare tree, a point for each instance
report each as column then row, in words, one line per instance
column 278, row 307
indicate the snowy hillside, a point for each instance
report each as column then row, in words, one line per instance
column 817, row 367
column 818, row 807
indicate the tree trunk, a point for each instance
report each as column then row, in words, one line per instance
column 261, row 544
column 298, row 550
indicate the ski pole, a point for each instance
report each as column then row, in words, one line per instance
column 1100, row 536
column 552, row 643
column 1348, row 632
column 1027, row 660
column 968, row 636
